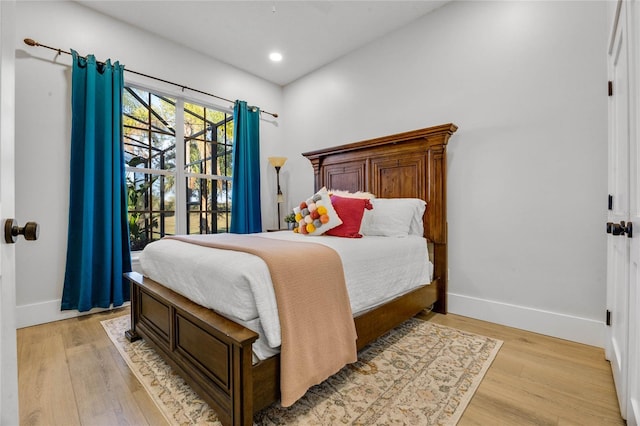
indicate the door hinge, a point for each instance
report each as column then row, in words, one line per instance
column 608, row 317
column 610, row 87
column 610, row 203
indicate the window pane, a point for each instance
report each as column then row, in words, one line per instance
column 148, row 130
column 199, row 222
column 199, row 207
column 163, row 114
column 224, row 205
column 151, row 201
column 208, row 203
column 194, row 122
column 196, row 157
column 225, row 159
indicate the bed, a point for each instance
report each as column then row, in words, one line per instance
column 214, row 354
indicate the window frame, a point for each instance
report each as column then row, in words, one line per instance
column 180, row 173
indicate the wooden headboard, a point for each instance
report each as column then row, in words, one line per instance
column 406, row 165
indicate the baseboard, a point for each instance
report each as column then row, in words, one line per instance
column 576, row 329
column 49, row 311
column 44, row 312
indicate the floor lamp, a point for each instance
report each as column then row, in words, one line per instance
column 278, row 162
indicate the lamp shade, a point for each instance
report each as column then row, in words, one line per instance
column 277, row 161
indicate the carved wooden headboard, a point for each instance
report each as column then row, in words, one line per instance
column 405, row 165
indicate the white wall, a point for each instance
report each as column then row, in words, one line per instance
column 43, row 123
column 525, row 82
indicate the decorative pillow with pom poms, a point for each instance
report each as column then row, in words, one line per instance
column 316, row 215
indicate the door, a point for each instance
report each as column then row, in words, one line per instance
column 8, row 355
column 618, row 246
column 623, row 243
column 633, row 385
column 617, row 243
column 633, row 344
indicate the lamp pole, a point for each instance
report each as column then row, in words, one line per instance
column 279, row 194
column 277, row 163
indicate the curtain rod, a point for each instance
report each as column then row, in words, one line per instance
column 32, row 42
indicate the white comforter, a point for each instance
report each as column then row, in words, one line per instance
column 238, row 285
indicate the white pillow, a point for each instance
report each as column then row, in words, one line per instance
column 417, row 224
column 394, row 217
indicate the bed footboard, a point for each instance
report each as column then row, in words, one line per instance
column 212, row 353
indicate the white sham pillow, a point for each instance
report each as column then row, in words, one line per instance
column 417, row 224
column 394, row 217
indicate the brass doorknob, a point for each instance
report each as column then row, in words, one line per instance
column 30, row 231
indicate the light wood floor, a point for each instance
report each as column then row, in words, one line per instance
column 70, row 374
column 539, row 380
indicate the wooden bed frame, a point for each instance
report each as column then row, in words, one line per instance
column 213, row 354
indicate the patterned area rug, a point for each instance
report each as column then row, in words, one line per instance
column 417, row 374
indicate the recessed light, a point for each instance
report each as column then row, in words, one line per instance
column 275, row 56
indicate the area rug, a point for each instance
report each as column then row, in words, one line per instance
column 420, row 373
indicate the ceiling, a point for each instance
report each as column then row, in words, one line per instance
column 309, row 34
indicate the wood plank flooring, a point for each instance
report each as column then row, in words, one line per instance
column 539, row 380
column 70, row 374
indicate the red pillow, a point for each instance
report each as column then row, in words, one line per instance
column 350, row 211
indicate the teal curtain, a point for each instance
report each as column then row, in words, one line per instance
column 98, row 241
column 245, row 196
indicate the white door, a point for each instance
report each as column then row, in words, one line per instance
column 618, row 169
column 8, row 355
column 633, row 385
column 633, row 344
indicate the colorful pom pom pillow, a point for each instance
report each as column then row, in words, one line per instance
column 316, row 215
column 350, row 211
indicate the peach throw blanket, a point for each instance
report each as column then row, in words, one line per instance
column 318, row 332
